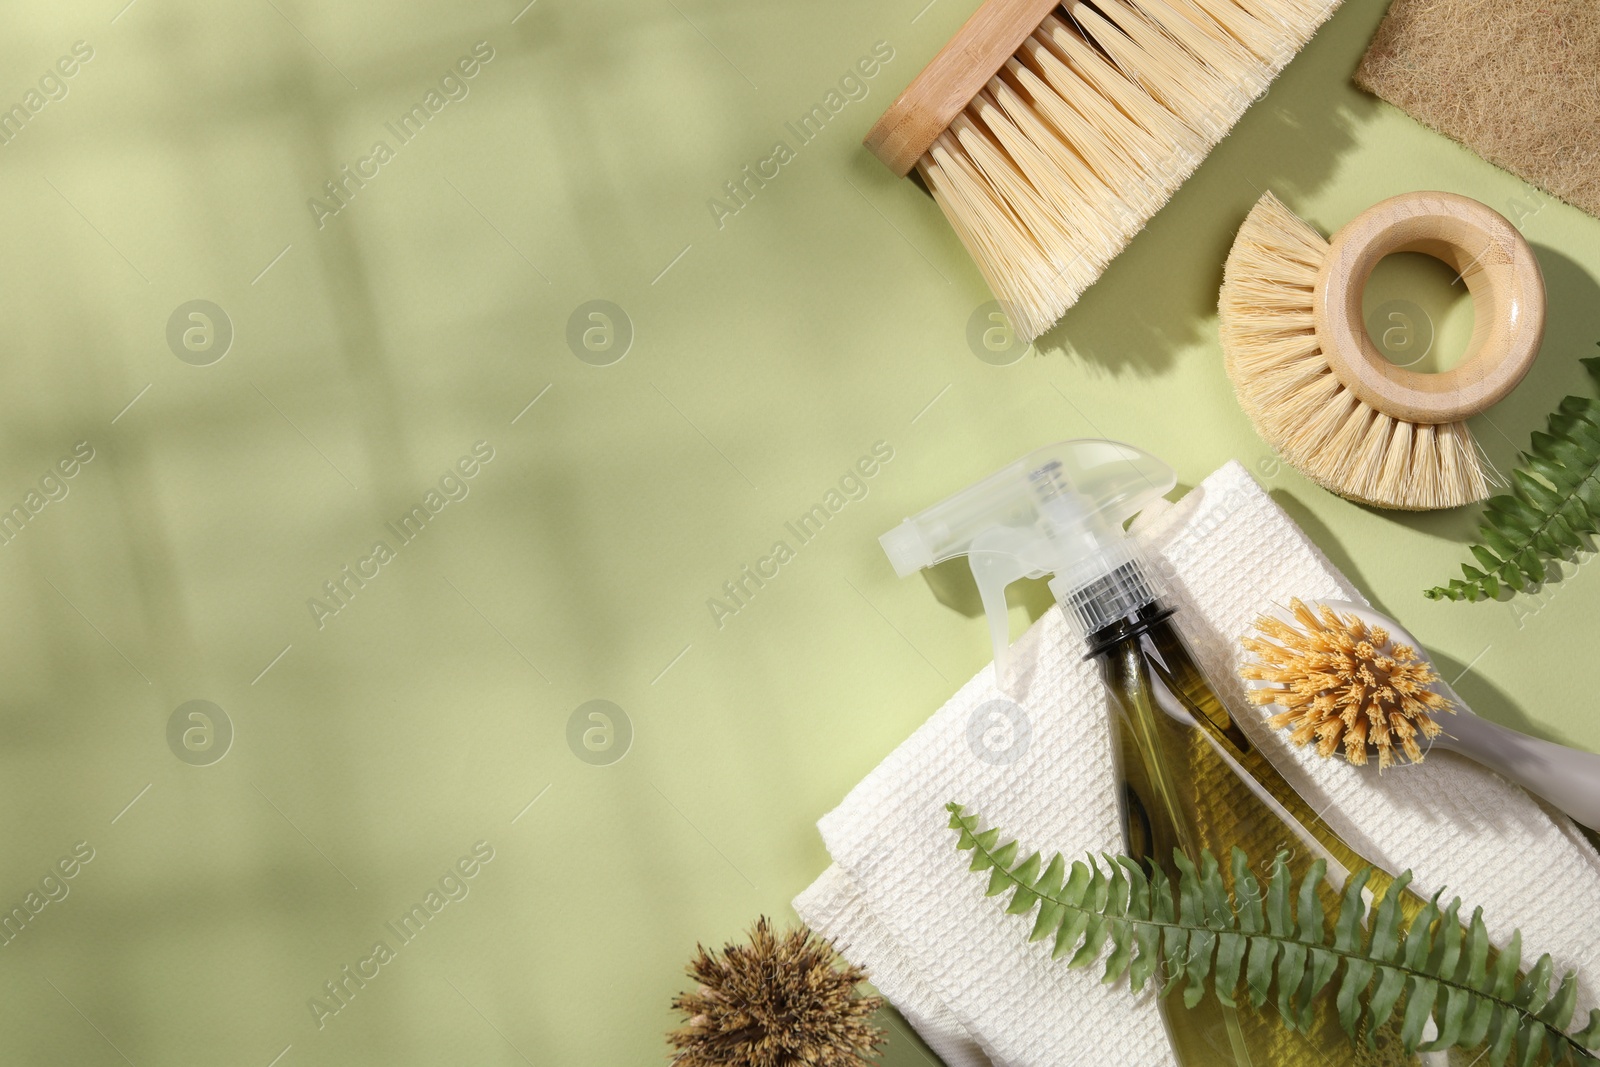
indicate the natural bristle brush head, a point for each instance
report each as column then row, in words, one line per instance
column 1318, row 390
column 1344, row 685
column 1050, row 131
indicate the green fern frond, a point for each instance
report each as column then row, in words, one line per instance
column 1554, row 504
column 1432, row 967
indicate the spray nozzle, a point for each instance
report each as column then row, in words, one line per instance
column 1058, row 511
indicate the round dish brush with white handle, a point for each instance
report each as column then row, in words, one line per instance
column 1344, row 677
column 1318, row 390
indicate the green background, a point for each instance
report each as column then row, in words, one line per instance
column 368, row 355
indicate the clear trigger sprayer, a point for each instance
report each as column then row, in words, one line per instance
column 1058, row 511
column 1189, row 779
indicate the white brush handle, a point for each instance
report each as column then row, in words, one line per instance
column 1564, row 776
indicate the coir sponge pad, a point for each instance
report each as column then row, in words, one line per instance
column 1516, row 81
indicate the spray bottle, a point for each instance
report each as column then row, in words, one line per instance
column 1189, row 777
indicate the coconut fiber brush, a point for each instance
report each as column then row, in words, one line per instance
column 1049, row 131
column 1342, row 677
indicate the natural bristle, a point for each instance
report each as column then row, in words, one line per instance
column 783, row 1000
column 1091, row 127
column 1341, row 684
column 1288, row 389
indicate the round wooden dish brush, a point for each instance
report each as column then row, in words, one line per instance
column 1318, row 390
column 1347, row 678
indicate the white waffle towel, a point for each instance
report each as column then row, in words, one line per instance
column 900, row 902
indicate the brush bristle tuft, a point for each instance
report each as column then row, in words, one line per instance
column 1341, row 684
column 1089, row 129
column 1288, row 389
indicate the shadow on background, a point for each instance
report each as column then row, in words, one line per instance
column 953, row 586
column 1486, row 699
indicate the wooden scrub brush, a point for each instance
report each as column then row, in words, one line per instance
column 1318, row 390
column 1049, row 131
column 1346, row 678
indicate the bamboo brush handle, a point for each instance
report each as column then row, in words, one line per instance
column 936, row 96
column 1501, row 275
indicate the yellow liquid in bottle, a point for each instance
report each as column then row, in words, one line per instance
column 1170, row 733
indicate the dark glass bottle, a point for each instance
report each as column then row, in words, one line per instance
column 1192, row 780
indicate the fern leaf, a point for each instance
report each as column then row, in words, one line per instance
column 1050, row 911
column 1121, row 956
column 1504, row 1033
column 1022, row 902
column 1246, row 894
column 1430, row 968
column 1391, row 983
column 1230, row 958
column 1589, row 1036
column 1263, row 954
column 1554, row 501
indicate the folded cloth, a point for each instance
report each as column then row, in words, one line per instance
column 900, row 902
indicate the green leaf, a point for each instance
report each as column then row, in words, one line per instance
column 1067, row 935
column 1175, row 950
column 1160, row 895
column 1530, row 1040
column 1447, row 945
column 1419, row 1009
column 1505, row 968
column 1453, row 1019
column 1023, row 900
column 1385, row 946
column 1419, row 936
column 1247, row 894
column 1138, row 889
column 1475, row 976
column 1121, row 950
column 1291, row 970
column 1094, row 939
column 1319, row 973
column 1219, row 915
column 1589, row 1036
column 1535, row 989
column 1279, row 919
column 1191, row 905
column 1558, row 1013
column 1554, row 498
column 1077, row 886
column 1391, row 983
column 1352, row 989
column 1504, row 1035
column 1147, row 936
column 1230, row 958
column 1051, row 911
column 1352, row 908
column 1201, row 945
column 1433, row 966
column 1258, row 968
column 1117, row 891
column 1310, row 906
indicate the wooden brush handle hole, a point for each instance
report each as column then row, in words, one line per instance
column 1501, row 275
